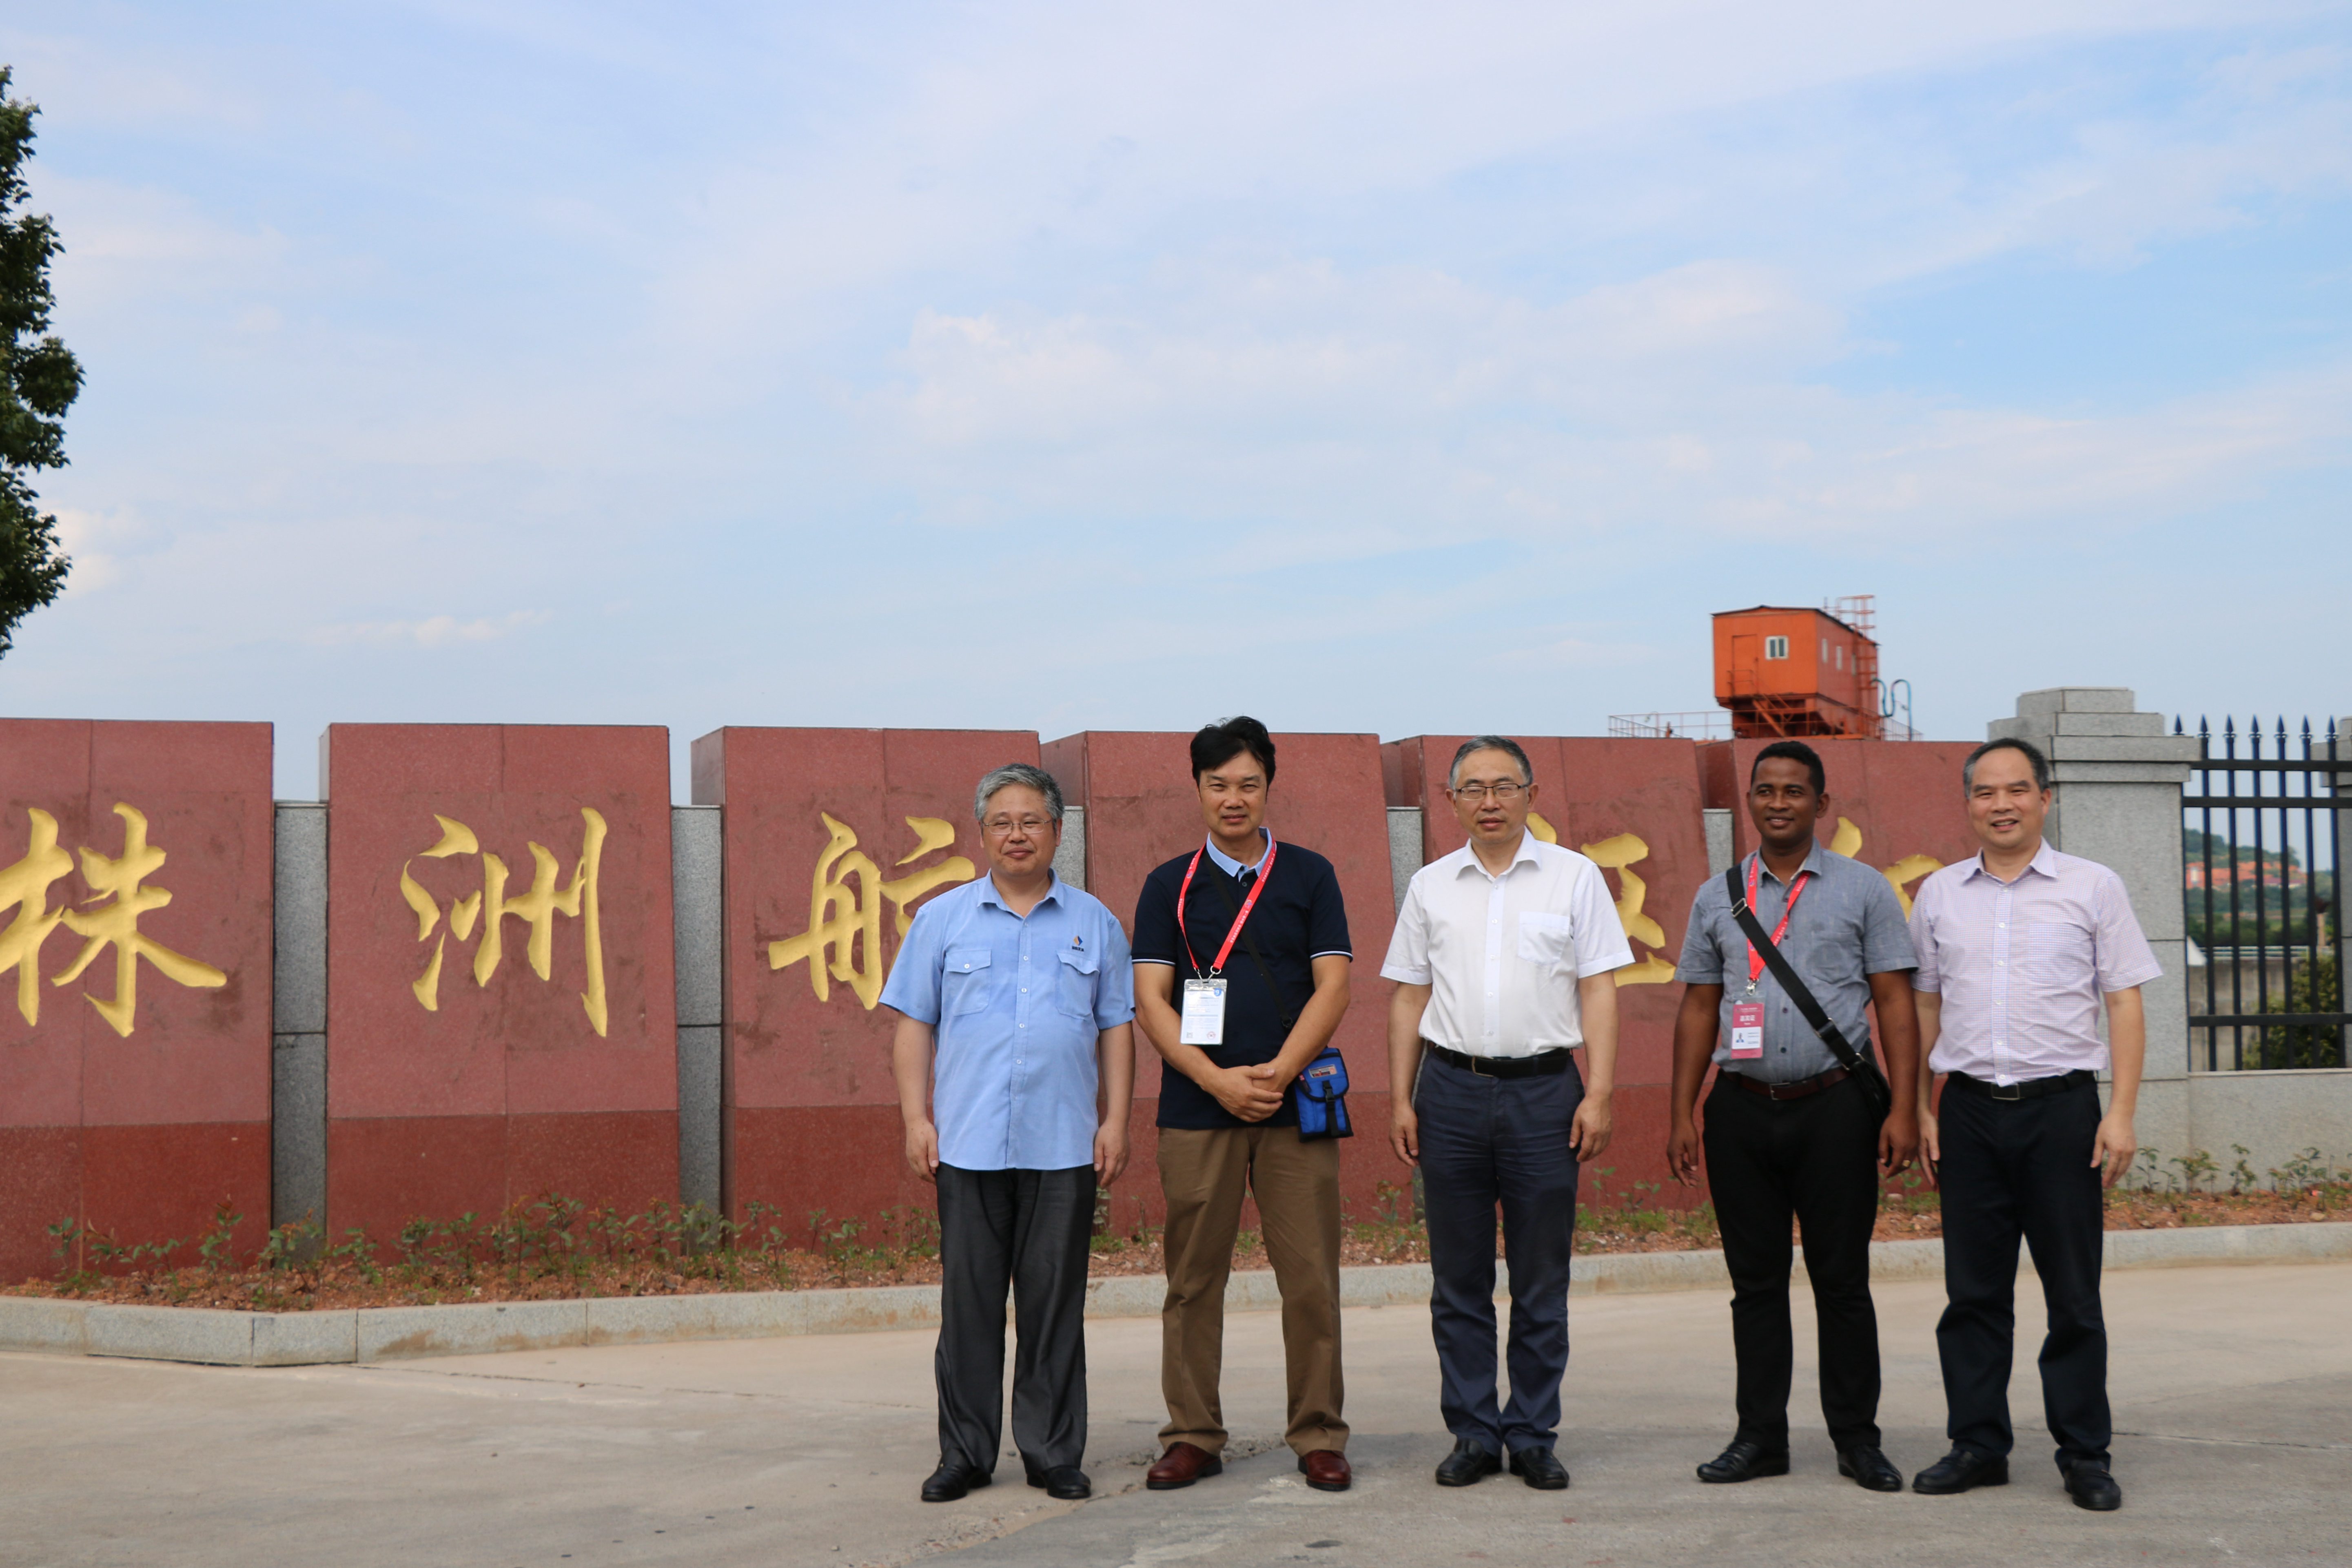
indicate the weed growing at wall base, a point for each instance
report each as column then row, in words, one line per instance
column 555, row 1247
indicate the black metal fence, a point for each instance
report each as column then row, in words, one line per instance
column 2261, row 835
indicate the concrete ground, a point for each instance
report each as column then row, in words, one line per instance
column 2231, row 1390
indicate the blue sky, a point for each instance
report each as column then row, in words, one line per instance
column 1365, row 367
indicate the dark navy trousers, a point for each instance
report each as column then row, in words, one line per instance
column 2012, row 1169
column 1489, row 1143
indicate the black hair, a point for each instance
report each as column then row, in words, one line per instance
column 1795, row 751
column 1501, row 742
column 2039, row 764
column 1219, row 743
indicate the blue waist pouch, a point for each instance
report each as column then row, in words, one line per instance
column 1323, row 1097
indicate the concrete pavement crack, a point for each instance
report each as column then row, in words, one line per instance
column 2238, row 1442
column 637, row 1387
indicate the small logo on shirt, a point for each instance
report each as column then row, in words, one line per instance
column 1079, row 942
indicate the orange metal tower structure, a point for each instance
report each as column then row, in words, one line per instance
column 1790, row 671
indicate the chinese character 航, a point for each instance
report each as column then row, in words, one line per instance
column 843, row 939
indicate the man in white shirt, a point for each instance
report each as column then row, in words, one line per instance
column 2017, row 947
column 1502, row 955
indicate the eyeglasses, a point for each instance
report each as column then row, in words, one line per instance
column 998, row 827
column 1501, row 794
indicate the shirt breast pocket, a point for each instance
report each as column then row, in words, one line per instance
column 966, row 981
column 2058, row 954
column 1076, row 992
column 1546, row 939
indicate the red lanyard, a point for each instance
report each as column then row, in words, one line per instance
column 1264, row 870
column 1796, row 891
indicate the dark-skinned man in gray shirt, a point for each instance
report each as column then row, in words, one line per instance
column 1789, row 1132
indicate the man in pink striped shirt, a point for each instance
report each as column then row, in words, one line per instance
column 2017, row 946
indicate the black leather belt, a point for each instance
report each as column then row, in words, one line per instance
column 1542, row 1062
column 1797, row 1090
column 2032, row 1088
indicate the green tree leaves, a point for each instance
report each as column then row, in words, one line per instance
column 39, row 379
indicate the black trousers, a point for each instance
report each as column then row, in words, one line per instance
column 1815, row 1159
column 1484, row 1141
column 2011, row 1169
column 1028, row 1230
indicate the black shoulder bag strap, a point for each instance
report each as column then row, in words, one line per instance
column 1874, row 1082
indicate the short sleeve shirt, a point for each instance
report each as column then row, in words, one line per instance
column 1018, row 1005
column 1847, row 926
column 1298, row 918
column 1502, row 955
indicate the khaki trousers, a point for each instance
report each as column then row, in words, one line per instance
column 1204, row 1172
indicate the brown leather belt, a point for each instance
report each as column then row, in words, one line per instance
column 1797, row 1090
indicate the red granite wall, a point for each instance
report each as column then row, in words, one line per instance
column 501, row 990
column 135, row 1040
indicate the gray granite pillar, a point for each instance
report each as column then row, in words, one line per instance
column 298, row 1015
column 693, row 837
column 1404, row 850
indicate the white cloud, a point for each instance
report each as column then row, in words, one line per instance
column 127, row 245
column 434, row 632
column 85, row 536
column 1418, row 311
column 1416, row 406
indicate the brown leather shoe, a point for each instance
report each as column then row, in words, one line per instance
column 1326, row 1469
column 1182, row 1465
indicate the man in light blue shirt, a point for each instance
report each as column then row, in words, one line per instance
column 1022, row 984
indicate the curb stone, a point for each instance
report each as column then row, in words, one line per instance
column 222, row 1337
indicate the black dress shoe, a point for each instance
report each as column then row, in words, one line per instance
column 952, row 1480
column 1539, row 1467
column 1869, row 1469
column 1066, row 1482
column 2092, row 1487
column 1469, row 1463
column 1744, row 1461
column 1957, row 1471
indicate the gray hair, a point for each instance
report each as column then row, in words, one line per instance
column 2032, row 753
column 1027, row 778
column 1503, row 743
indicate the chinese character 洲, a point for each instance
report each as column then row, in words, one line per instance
column 494, row 905
column 843, row 939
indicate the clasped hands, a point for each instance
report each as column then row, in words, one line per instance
column 1251, row 1094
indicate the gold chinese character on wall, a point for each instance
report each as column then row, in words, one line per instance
column 490, row 908
column 1847, row 842
column 109, row 918
column 846, row 892
column 1620, row 854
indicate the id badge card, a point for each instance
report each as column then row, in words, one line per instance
column 1747, row 1030
column 1204, row 1013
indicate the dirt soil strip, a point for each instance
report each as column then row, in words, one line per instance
column 222, row 1337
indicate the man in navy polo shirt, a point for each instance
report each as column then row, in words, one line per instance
column 1025, row 982
column 1241, row 977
